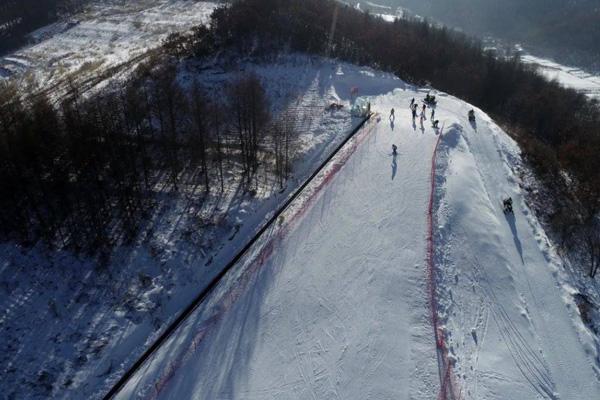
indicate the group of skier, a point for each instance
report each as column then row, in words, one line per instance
column 507, row 203
column 414, row 108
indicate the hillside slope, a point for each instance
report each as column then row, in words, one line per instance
column 512, row 323
column 109, row 34
column 98, row 319
column 333, row 303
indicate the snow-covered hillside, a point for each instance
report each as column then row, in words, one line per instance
column 97, row 319
column 570, row 77
column 512, row 322
column 390, row 277
column 108, row 34
column 338, row 302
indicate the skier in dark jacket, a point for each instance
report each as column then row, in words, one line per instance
column 472, row 115
column 423, row 117
column 508, row 205
column 394, row 150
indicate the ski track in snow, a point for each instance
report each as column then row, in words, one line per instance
column 332, row 303
column 501, row 266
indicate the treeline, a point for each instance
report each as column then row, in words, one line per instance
column 20, row 17
column 566, row 30
column 85, row 175
column 557, row 127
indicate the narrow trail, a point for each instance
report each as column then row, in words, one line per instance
column 448, row 387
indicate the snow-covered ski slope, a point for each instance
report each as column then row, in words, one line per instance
column 512, row 324
column 332, row 303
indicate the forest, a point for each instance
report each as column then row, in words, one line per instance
column 86, row 174
column 568, row 31
column 86, row 169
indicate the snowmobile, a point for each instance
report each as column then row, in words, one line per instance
column 430, row 100
column 508, row 205
column 472, row 116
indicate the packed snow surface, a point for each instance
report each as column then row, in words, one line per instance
column 332, row 303
column 512, row 325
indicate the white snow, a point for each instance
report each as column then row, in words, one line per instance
column 512, row 324
column 338, row 310
column 332, row 303
column 107, row 34
column 388, row 17
column 375, row 5
column 570, row 77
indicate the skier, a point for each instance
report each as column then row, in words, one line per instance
column 412, row 103
column 392, row 116
column 436, row 123
column 472, row 115
column 394, row 150
column 414, row 111
column 508, row 205
column 423, row 117
column 430, row 100
column 432, row 114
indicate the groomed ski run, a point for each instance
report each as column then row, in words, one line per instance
column 334, row 301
